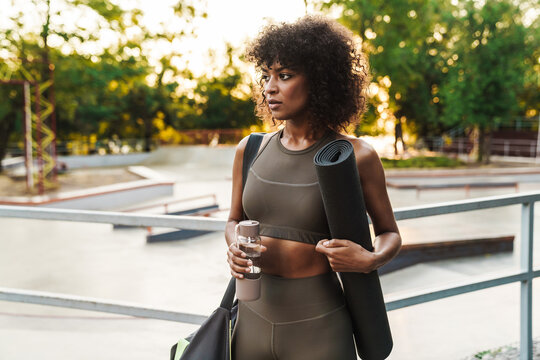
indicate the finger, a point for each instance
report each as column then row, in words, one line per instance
column 238, row 261
column 238, row 268
column 335, row 243
column 236, row 251
column 336, row 265
column 321, row 248
column 237, row 275
column 333, row 265
column 321, row 242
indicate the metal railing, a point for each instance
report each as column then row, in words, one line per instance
column 524, row 275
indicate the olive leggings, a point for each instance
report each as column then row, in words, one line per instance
column 295, row 319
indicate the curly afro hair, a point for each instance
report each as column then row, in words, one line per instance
column 336, row 70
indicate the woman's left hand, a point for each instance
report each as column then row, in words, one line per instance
column 347, row 256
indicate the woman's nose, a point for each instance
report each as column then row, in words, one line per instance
column 270, row 87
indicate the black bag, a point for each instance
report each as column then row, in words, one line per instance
column 212, row 341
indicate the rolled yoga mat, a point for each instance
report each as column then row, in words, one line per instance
column 345, row 208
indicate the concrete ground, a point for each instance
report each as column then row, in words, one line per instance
column 190, row 276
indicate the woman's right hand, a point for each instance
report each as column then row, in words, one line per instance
column 237, row 261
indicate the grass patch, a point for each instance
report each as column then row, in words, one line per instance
column 489, row 354
column 422, row 162
column 481, row 354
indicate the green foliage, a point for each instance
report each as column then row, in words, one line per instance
column 487, row 73
column 422, row 162
column 9, row 116
column 117, row 92
column 220, row 101
column 491, row 354
column 481, row 354
column 399, row 38
column 529, row 96
column 421, row 53
column 466, row 63
column 93, row 93
column 484, row 81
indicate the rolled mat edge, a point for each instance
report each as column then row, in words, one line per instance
column 343, row 199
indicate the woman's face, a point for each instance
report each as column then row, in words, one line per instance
column 286, row 92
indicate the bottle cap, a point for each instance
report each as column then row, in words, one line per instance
column 248, row 228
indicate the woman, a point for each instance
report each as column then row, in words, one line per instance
column 313, row 79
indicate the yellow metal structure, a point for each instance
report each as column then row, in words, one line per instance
column 41, row 135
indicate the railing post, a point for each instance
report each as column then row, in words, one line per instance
column 527, row 221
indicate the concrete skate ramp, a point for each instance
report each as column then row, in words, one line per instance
column 411, row 254
column 192, row 154
column 152, row 185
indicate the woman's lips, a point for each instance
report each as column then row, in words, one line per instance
column 273, row 105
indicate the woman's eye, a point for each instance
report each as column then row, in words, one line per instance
column 285, row 76
column 265, row 77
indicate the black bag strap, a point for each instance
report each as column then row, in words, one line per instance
column 228, row 297
column 252, row 147
column 250, row 152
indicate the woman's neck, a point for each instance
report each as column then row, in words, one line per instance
column 299, row 134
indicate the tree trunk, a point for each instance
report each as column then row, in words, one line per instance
column 148, row 134
column 487, row 147
column 7, row 125
column 484, row 145
column 481, row 144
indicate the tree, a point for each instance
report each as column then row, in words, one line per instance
column 450, row 64
column 406, row 41
column 219, row 101
column 487, row 74
column 10, row 114
column 91, row 87
column 31, row 46
column 529, row 96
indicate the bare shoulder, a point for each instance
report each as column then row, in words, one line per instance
column 365, row 153
column 241, row 146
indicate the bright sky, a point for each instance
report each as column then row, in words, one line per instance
column 232, row 21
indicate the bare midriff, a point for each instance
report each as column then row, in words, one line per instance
column 292, row 259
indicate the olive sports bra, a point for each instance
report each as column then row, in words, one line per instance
column 282, row 192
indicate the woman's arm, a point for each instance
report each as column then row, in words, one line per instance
column 345, row 255
column 236, row 211
column 236, row 257
column 387, row 240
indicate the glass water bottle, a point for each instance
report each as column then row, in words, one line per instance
column 249, row 241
